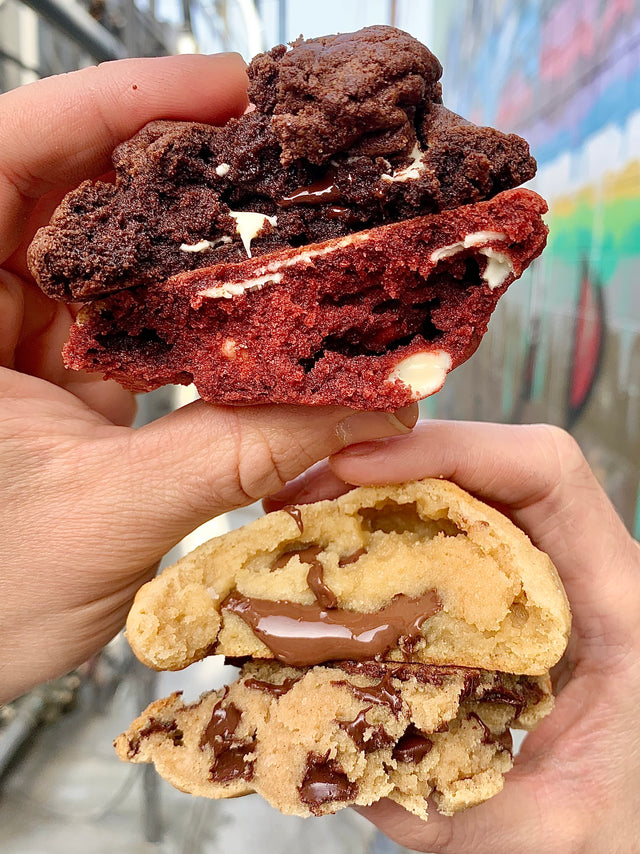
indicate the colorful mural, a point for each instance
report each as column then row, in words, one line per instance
column 564, row 345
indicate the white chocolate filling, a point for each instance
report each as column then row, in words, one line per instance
column 222, row 169
column 423, row 373
column 249, row 224
column 270, row 272
column 235, row 289
column 499, row 265
column 410, row 171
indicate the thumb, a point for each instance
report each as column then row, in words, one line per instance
column 203, row 460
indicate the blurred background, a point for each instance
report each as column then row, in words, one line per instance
column 563, row 347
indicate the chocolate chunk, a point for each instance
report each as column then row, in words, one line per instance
column 428, row 674
column 168, row 728
column 230, row 758
column 232, row 764
column 518, row 695
column 487, row 736
column 325, row 781
column 412, row 746
column 325, row 597
column 320, row 192
column 223, row 723
column 283, row 559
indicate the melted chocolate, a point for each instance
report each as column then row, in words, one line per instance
column 325, row 781
column 382, row 694
column 503, row 739
column 413, row 746
column 270, row 687
column 487, row 735
column 285, row 557
column 427, row 674
column 320, row 192
column 358, row 728
column 304, row 635
column 315, row 577
column 296, row 515
column 352, row 558
column 516, row 697
column 342, row 214
column 168, row 728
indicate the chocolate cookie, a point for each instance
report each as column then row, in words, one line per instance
column 314, row 740
column 348, row 133
column 420, row 571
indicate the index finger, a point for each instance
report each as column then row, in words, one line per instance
column 58, row 131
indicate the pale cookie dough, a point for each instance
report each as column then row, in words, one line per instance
column 488, row 597
column 312, row 741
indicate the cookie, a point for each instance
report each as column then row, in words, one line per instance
column 314, row 740
column 374, row 320
column 420, row 571
column 329, row 247
column 348, row 133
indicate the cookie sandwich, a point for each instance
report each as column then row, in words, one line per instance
column 387, row 640
column 345, row 242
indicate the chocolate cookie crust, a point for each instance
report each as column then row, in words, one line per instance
column 329, row 150
column 327, row 97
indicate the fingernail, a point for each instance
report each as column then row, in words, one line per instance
column 408, row 415
column 365, row 426
column 362, row 449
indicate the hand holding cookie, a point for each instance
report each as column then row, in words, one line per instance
column 569, row 788
column 89, row 505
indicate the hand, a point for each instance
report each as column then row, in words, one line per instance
column 89, row 506
column 573, row 787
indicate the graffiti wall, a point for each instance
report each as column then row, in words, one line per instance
column 564, row 345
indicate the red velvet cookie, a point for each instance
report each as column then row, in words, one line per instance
column 373, row 320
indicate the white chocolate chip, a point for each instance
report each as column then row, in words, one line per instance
column 204, row 244
column 222, row 169
column 473, row 239
column 498, row 269
column 229, row 348
column 249, row 224
column 424, row 373
column 499, row 265
column 411, row 170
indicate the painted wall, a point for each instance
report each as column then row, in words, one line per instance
column 564, row 344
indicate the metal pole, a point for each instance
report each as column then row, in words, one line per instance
column 29, row 712
column 78, row 24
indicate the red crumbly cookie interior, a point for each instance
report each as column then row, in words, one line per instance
column 331, row 323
